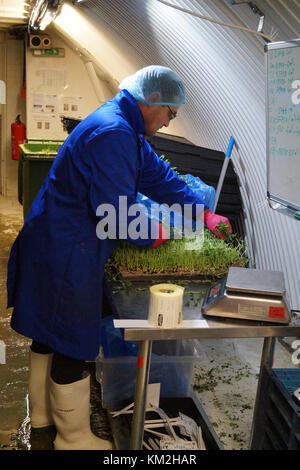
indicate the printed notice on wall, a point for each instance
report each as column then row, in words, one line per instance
column 43, row 123
column 51, row 79
column 45, row 104
column 71, row 106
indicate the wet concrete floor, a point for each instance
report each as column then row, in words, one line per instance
column 14, row 373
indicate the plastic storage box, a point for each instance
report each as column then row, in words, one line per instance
column 34, row 164
column 278, row 421
column 289, row 378
column 117, row 375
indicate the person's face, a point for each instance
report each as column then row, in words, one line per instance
column 156, row 117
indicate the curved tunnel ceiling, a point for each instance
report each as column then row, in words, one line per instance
column 224, row 73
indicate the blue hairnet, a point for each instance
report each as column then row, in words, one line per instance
column 155, row 85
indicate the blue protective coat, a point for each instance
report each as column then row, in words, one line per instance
column 56, row 265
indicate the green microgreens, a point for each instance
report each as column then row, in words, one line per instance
column 214, row 258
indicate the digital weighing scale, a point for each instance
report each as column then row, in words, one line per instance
column 250, row 294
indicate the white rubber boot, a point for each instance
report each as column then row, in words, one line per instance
column 70, row 405
column 38, row 388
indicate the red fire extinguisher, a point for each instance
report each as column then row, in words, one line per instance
column 17, row 137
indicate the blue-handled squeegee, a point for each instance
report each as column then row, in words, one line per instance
column 224, row 169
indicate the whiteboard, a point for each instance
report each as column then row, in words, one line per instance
column 283, row 122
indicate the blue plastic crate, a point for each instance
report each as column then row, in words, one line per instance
column 290, row 379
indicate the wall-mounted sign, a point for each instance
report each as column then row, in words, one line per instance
column 2, row 92
column 53, row 52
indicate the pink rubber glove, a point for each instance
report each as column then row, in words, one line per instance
column 211, row 221
column 161, row 238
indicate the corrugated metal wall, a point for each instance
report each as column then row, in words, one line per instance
column 224, row 73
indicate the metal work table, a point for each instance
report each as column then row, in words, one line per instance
column 134, row 304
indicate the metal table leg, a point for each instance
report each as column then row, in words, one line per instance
column 142, row 379
column 266, row 361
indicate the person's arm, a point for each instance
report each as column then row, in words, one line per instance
column 161, row 184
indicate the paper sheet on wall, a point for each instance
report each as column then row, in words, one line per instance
column 2, row 92
column 70, row 106
column 50, row 79
column 45, row 124
column 45, row 104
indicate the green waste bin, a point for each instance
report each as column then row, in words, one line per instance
column 34, row 164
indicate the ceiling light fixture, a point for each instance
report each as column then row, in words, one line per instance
column 43, row 13
column 47, row 18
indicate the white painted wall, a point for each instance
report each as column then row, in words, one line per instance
column 11, row 71
column 59, row 86
column 2, row 106
column 114, row 57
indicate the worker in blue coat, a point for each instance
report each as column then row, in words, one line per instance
column 56, row 265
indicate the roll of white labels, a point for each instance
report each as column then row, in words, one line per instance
column 165, row 305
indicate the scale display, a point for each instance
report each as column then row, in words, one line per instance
column 216, row 291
